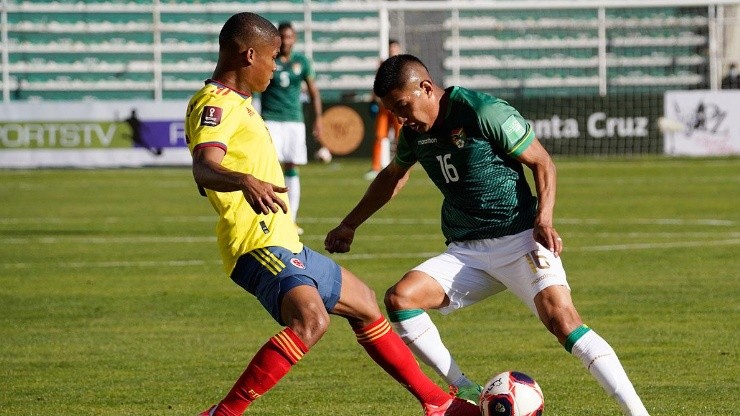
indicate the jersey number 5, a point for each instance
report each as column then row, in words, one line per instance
column 284, row 78
column 448, row 169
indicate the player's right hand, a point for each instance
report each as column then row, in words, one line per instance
column 339, row 239
column 262, row 196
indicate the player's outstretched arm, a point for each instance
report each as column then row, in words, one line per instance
column 543, row 170
column 385, row 186
column 210, row 174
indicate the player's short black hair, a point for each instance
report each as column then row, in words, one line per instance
column 285, row 25
column 393, row 72
column 244, row 28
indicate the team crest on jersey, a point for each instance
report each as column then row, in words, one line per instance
column 458, row 137
column 297, row 68
column 211, row 116
column 297, row 263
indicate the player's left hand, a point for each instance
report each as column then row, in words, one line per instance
column 339, row 239
column 548, row 237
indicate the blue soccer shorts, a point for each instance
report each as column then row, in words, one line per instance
column 269, row 273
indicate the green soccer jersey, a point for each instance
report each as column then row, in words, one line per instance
column 281, row 101
column 470, row 157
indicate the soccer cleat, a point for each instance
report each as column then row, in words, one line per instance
column 210, row 412
column 470, row 393
column 453, row 407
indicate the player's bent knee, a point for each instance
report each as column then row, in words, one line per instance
column 310, row 332
column 310, row 323
column 415, row 290
column 396, row 300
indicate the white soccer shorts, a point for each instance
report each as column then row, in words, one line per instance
column 471, row 271
column 289, row 138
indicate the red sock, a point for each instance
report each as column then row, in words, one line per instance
column 388, row 350
column 267, row 367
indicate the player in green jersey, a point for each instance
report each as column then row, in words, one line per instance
column 473, row 147
column 282, row 109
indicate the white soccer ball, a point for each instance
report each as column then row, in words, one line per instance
column 323, row 154
column 511, row 393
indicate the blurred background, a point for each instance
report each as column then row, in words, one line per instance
column 594, row 77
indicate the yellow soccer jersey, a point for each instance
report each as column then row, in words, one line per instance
column 222, row 117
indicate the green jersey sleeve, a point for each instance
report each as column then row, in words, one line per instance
column 505, row 127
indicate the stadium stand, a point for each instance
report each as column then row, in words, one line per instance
column 516, row 53
column 153, row 49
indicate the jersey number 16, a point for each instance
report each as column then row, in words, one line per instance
column 448, row 169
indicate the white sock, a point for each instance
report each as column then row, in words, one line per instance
column 294, row 193
column 601, row 360
column 422, row 337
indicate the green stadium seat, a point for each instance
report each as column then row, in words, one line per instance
column 105, row 48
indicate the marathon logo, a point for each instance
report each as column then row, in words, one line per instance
column 211, row 116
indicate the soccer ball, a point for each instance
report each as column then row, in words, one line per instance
column 511, row 393
column 323, row 154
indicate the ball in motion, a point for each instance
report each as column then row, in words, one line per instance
column 323, row 155
column 511, row 393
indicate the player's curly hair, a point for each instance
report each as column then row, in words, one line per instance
column 245, row 28
column 393, row 73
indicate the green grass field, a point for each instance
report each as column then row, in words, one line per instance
column 113, row 301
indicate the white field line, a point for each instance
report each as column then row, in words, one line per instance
column 134, row 239
column 567, row 164
column 368, row 256
column 106, row 240
column 185, row 239
column 651, row 246
column 651, row 180
column 108, row 264
column 377, row 221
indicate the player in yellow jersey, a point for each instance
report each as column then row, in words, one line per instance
column 236, row 166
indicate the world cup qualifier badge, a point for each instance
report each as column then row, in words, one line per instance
column 211, row 116
column 459, row 137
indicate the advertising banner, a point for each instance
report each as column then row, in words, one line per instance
column 137, row 133
column 92, row 134
column 617, row 124
column 128, row 134
column 701, row 123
